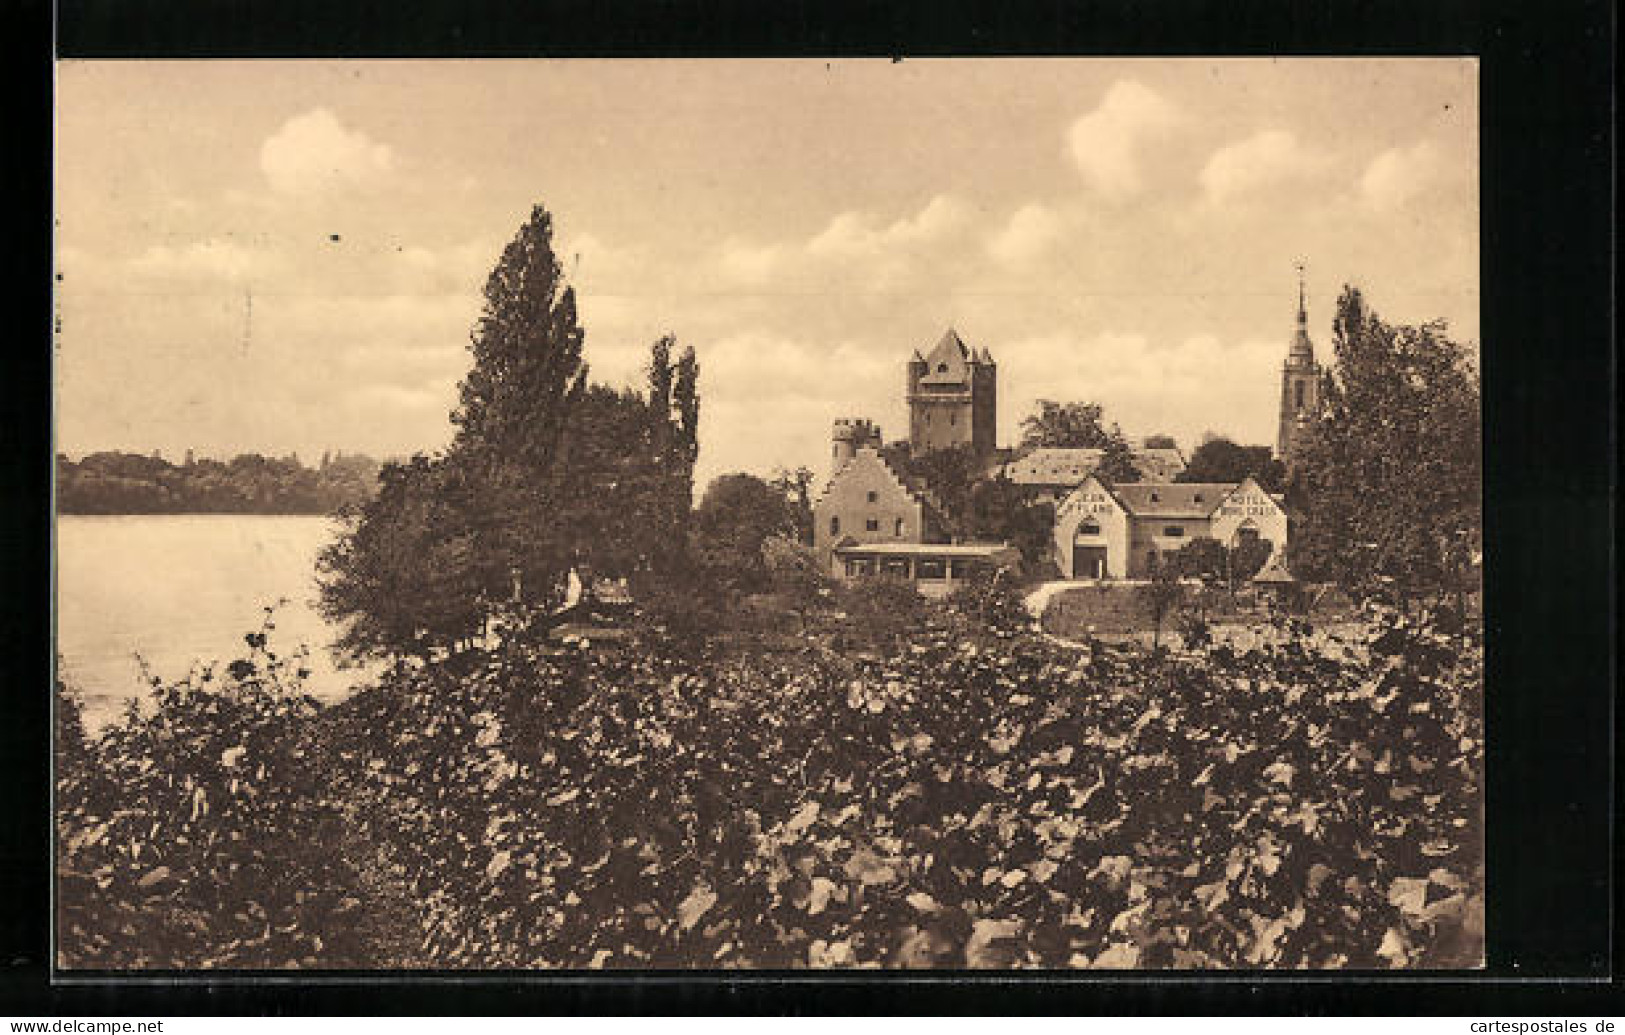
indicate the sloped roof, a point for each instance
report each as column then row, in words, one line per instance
column 1172, row 499
column 1069, row 466
column 1274, row 573
column 952, row 354
column 1053, row 466
column 1159, row 463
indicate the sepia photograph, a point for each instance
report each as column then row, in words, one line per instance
column 954, row 514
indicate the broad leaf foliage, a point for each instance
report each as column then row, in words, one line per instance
column 979, row 798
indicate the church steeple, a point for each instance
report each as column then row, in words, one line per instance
column 1300, row 382
column 1302, row 353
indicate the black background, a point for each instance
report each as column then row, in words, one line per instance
column 1549, row 392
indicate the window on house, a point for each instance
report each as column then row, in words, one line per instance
column 1198, row 497
column 834, row 526
column 1155, row 498
column 873, row 495
column 953, row 418
column 897, row 529
column 1173, row 531
column 1297, row 390
column 942, row 368
column 872, row 525
column 1089, row 527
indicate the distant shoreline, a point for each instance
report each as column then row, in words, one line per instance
column 117, row 483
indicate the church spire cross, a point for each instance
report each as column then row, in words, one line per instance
column 1303, row 312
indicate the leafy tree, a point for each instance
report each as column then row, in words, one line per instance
column 684, row 606
column 1204, row 558
column 1000, row 510
column 991, row 599
column 949, row 474
column 403, row 577
column 881, row 611
column 735, row 517
column 513, row 408
column 1248, row 558
column 1386, row 490
column 796, row 575
column 796, row 485
column 1080, row 425
column 1160, row 597
column 626, row 473
column 1160, row 442
column 676, row 427
column 1218, row 459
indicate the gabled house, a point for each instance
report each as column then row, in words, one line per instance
column 1114, row 532
column 872, row 520
column 867, row 502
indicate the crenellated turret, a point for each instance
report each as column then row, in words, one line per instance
column 849, row 436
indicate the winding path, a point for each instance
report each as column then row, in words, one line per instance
column 1039, row 598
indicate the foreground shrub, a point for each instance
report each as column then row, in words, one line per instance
column 1307, row 803
column 991, row 800
column 197, row 831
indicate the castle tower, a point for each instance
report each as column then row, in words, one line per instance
column 1300, row 385
column 952, row 398
column 848, row 437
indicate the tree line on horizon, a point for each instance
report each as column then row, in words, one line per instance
column 112, row 482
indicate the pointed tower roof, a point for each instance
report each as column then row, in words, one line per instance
column 948, row 363
column 1303, row 350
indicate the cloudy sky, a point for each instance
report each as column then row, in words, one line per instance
column 287, row 256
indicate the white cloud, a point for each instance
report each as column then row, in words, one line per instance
column 857, row 233
column 315, row 152
column 1400, row 174
column 1106, row 142
column 1268, row 159
column 786, row 391
column 856, row 250
column 1179, row 387
column 215, row 259
column 744, row 262
column 1032, row 229
column 591, row 264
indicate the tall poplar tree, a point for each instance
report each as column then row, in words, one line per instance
column 514, row 405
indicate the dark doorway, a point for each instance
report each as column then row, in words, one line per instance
column 1088, row 562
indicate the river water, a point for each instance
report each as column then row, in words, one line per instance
column 177, row 590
